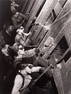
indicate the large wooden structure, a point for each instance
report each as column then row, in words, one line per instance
column 56, row 16
column 50, row 24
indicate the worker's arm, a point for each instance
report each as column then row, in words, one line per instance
column 17, row 85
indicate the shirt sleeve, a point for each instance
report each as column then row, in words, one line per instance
column 35, row 69
column 17, row 84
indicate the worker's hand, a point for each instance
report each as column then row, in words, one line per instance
column 35, row 69
column 18, row 58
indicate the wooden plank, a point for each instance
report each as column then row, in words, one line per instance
column 58, row 38
column 51, row 18
column 68, row 34
column 46, row 10
column 26, row 7
column 57, row 8
column 42, row 42
column 26, row 1
column 65, row 9
column 30, row 6
column 58, row 80
column 58, row 25
column 39, row 28
column 42, row 33
column 66, row 76
column 35, row 10
column 40, row 36
column 62, row 77
column 62, row 2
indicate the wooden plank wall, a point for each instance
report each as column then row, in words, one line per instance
column 31, row 3
column 47, row 8
column 45, row 12
column 24, row 6
column 58, row 37
column 59, row 8
column 34, row 12
column 56, row 7
column 62, row 77
column 59, row 26
column 66, row 76
column 56, row 17
column 40, row 46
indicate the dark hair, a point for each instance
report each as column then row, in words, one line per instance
column 21, row 66
column 12, row 52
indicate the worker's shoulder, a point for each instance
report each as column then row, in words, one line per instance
column 18, row 78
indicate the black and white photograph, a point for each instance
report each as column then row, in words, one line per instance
column 35, row 47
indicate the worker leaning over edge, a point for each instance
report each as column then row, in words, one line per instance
column 23, row 78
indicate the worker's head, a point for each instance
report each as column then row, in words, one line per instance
column 16, row 46
column 11, row 52
column 21, row 27
column 20, row 30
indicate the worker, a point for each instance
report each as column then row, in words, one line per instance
column 8, row 51
column 8, row 69
column 23, row 78
column 18, row 19
column 21, row 36
column 9, row 35
column 27, row 56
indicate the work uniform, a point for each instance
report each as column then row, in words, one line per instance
column 21, row 37
column 27, row 79
column 18, row 19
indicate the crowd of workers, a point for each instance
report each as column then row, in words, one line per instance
column 25, row 60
